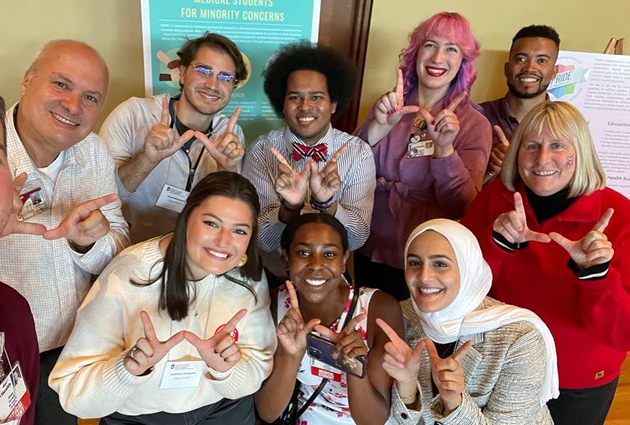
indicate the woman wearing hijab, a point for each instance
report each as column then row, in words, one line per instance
column 467, row 358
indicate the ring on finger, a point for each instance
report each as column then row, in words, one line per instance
column 133, row 351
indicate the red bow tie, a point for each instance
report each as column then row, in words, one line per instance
column 316, row 152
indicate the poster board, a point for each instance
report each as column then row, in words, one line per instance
column 599, row 86
column 258, row 27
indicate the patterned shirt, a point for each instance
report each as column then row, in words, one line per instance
column 331, row 406
column 355, row 198
column 48, row 273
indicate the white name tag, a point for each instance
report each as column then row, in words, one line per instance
column 172, row 198
column 182, row 374
column 14, row 396
column 418, row 148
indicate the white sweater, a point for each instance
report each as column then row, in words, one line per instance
column 90, row 377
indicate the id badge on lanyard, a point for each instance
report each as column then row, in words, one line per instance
column 173, row 198
column 14, row 395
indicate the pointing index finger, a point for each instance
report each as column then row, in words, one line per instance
column 166, row 114
column 461, row 351
column 95, row 204
column 293, row 296
column 279, row 156
column 339, row 152
column 147, row 325
column 231, row 324
column 433, row 355
column 352, row 324
column 391, row 333
column 455, row 103
column 501, row 135
column 232, row 120
column 400, row 84
column 518, row 205
column 604, row 220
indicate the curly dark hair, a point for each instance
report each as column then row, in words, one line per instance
column 340, row 73
column 542, row 31
column 216, row 41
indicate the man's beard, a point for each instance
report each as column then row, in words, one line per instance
column 542, row 88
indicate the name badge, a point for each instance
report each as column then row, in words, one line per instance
column 182, row 374
column 32, row 203
column 324, row 371
column 418, row 148
column 14, row 396
column 172, row 198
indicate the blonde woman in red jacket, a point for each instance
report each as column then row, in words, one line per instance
column 557, row 242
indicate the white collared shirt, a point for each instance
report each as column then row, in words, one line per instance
column 48, row 273
column 355, row 198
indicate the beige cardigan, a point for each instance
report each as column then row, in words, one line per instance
column 504, row 372
column 90, row 376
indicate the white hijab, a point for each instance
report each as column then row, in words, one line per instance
column 460, row 318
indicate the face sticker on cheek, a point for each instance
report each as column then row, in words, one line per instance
column 569, row 161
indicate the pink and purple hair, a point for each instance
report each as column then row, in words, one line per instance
column 456, row 29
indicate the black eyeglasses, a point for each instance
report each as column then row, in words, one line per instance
column 207, row 71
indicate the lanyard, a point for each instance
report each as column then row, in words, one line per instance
column 186, row 148
column 192, row 170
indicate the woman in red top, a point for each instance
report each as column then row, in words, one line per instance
column 557, row 242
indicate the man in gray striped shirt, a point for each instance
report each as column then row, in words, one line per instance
column 308, row 165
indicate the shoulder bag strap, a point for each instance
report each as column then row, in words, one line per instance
column 320, row 387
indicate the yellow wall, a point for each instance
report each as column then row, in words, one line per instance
column 584, row 25
column 113, row 27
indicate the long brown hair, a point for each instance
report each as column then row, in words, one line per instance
column 176, row 294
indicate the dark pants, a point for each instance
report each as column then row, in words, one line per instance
column 48, row 410
column 224, row 412
column 381, row 276
column 588, row 406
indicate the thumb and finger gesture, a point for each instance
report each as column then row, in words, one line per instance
column 292, row 330
column 400, row 361
column 513, row 225
column 325, row 183
column 85, row 224
column 220, row 352
column 149, row 350
column 349, row 341
column 448, row 374
column 390, row 108
column 594, row 248
column 226, row 150
column 15, row 226
column 290, row 185
column 444, row 127
column 161, row 141
column 497, row 154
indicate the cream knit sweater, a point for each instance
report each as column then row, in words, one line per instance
column 90, row 377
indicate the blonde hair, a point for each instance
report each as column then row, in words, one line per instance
column 561, row 121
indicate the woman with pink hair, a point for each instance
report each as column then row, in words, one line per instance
column 431, row 146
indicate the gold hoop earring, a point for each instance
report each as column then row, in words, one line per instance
column 243, row 261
